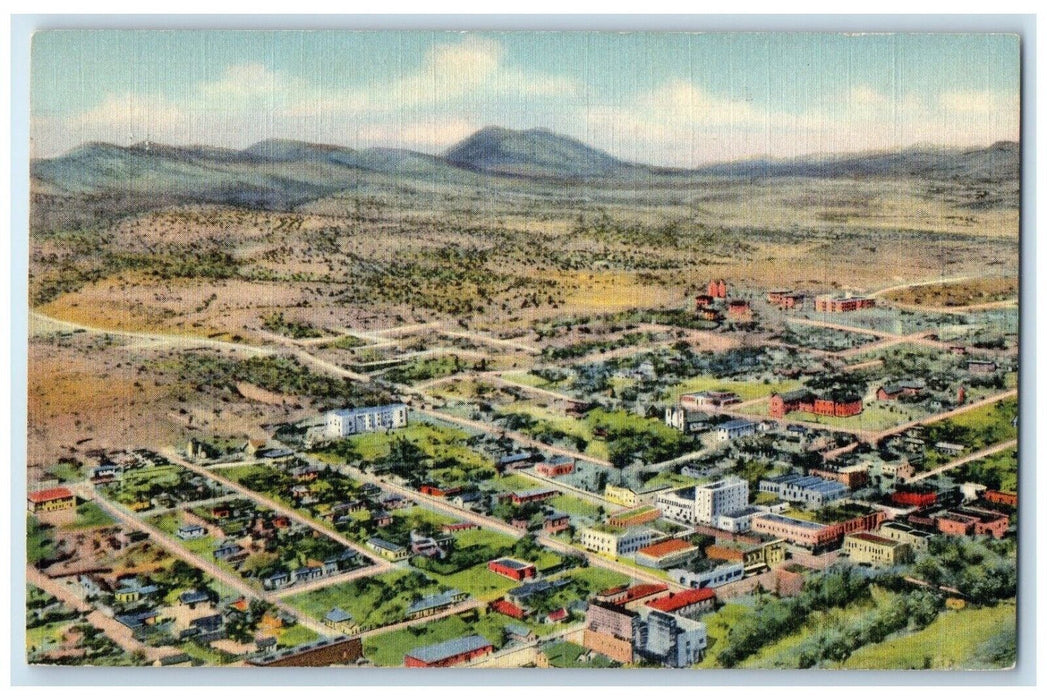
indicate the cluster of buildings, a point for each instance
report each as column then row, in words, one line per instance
column 647, row 633
column 806, row 401
column 712, row 305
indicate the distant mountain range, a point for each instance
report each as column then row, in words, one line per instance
column 280, row 173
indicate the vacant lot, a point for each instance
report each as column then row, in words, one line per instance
column 961, row 293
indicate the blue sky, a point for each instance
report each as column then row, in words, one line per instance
column 662, row 98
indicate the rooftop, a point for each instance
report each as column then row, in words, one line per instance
column 361, row 410
column 676, row 601
column 512, row 563
column 445, row 650
column 434, row 601
column 338, row 615
column 791, row 522
column 662, row 549
column 869, row 537
column 50, row 494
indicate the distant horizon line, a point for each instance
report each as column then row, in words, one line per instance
column 914, row 146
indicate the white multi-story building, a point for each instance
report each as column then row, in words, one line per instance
column 705, row 503
column 367, row 419
column 723, row 496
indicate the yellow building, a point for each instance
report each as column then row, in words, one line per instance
column 867, row 548
column 621, row 495
column 51, row 500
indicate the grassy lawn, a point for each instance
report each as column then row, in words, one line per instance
column 950, row 642
column 39, row 542
column 437, row 441
column 553, row 420
column 373, row 602
column 598, row 579
column 745, row 390
column 514, row 482
column 418, row 370
column 567, row 655
column 671, row 479
column 294, row 635
column 89, row 515
column 573, row 505
column 388, row 649
column 477, row 581
column 994, row 416
column 536, row 381
column 470, row 538
column 240, row 473
column 47, row 636
column 65, row 471
column 999, row 470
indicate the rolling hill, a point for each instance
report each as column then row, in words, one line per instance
column 279, row 173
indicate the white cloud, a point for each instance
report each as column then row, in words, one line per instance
column 682, row 124
column 458, row 87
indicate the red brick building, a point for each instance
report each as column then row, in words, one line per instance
column 629, row 595
column 785, row 299
column 554, row 523
column 828, row 303
column 739, row 310
column 557, row 466
column 853, row 477
column 689, row 602
column 914, row 499
column 702, row 301
column 512, row 568
column 717, row 289
column 805, row 401
column 1005, row 498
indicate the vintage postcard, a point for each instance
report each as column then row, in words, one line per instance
column 523, row 349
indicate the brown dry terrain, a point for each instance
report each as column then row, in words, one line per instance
column 495, row 261
column 973, row 292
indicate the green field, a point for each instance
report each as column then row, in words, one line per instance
column 534, row 380
column 374, row 601
column 39, row 540
column 745, row 390
column 597, row 579
column 567, row 655
column 549, row 420
column 998, row 471
column 573, row 505
column 955, row 640
column 89, row 515
column 437, row 441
